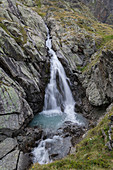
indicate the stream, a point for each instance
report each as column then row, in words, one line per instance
column 58, row 117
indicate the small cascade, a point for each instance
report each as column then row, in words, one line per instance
column 58, row 107
column 42, row 151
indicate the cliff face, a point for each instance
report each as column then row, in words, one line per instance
column 103, row 10
column 24, row 72
column 83, row 45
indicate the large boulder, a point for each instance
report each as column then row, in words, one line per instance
column 98, row 81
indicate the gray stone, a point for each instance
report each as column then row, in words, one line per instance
column 9, row 162
column 89, row 51
column 7, row 146
column 93, row 94
column 24, row 161
column 98, row 81
column 9, row 121
column 75, row 48
column 77, row 60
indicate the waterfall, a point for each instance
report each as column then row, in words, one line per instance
column 58, row 108
column 58, row 96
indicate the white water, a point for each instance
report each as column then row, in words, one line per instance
column 41, row 153
column 58, row 104
column 58, row 96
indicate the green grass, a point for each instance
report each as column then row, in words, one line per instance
column 91, row 153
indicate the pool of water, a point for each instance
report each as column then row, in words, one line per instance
column 49, row 119
column 53, row 119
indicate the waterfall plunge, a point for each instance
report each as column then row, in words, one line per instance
column 58, row 96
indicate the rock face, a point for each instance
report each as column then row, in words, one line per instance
column 23, row 75
column 99, row 80
column 103, row 10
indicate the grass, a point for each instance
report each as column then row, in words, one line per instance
column 91, row 153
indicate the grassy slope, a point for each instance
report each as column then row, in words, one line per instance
column 102, row 33
column 91, row 152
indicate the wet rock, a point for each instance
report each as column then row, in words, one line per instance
column 4, row 133
column 27, row 138
column 59, row 148
column 72, row 130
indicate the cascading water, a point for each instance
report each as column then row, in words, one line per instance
column 58, row 94
column 58, row 105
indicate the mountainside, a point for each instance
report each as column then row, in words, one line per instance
column 102, row 9
column 85, row 48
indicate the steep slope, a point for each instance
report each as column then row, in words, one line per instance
column 82, row 44
column 103, row 10
column 23, row 76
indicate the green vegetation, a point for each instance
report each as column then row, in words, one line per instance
column 38, row 3
column 5, row 28
column 24, row 36
column 91, row 153
column 21, row 40
column 31, row 3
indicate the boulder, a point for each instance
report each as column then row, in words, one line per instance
column 7, row 146
column 9, row 162
column 99, row 80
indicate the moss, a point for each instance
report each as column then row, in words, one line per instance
column 18, row 39
column 24, row 36
column 5, row 29
column 41, row 13
column 82, row 69
column 10, row 98
column 38, row 3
